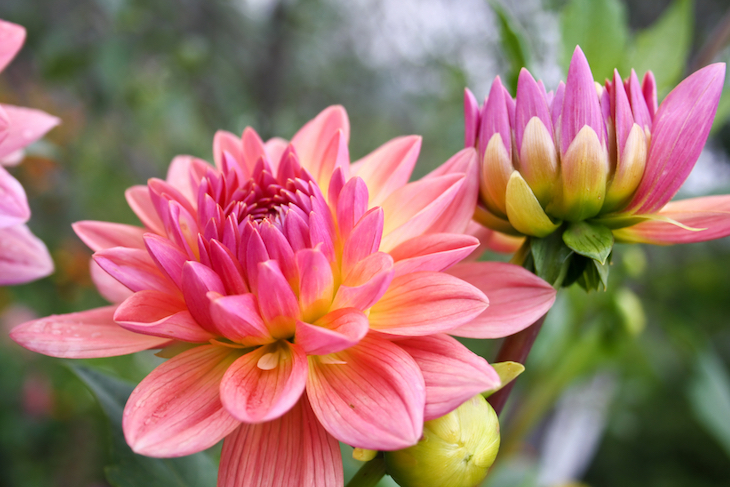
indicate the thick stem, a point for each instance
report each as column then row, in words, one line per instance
column 515, row 348
column 369, row 474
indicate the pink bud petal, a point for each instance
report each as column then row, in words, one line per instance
column 471, row 118
column 530, row 103
column 638, row 102
column 495, row 118
column 580, row 105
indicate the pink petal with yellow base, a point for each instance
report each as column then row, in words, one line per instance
column 580, row 103
column 708, row 218
column 366, row 282
column 336, row 331
column 291, row 451
column 176, row 410
column 452, row 372
column 517, row 298
column 389, row 167
column 87, row 334
column 369, row 396
column 25, row 126
column 311, row 141
column 432, row 252
column 23, row 256
column 316, row 283
column 264, row 384
column 277, row 302
column 159, row 314
column 364, row 239
column 238, row 318
column 424, row 303
column 197, row 281
column 352, row 203
column 495, row 118
column 530, row 103
column 104, row 235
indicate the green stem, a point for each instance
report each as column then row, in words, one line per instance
column 369, row 474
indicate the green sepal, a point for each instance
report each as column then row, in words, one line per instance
column 595, row 275
column 507, row 371
column 551, row 258
column 590, row 240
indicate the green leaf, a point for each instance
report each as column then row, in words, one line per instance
column 514, row 45
column 664, row 47
column 551, row 258
column 709, row 394
column 595, row 276
column 130, row 469
column 589, row 240
column 600, row 28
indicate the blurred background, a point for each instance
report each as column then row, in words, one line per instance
column 629, row 387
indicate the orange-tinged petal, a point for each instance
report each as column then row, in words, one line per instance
column 103, row 235
column 336, row 331
column 432, row 252
column 311, row 141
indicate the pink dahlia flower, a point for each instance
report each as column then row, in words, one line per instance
column 23, row 257
column 606, row 154
column 302, row 300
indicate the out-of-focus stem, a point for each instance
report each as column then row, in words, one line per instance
column 515, row 348
column 369, row 474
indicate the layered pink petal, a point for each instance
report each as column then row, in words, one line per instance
column 185, row 173
column 471, row 118
column 679, row 132
column 334, row 332
column 197, row 281
column 452, row 372
column 134, row 268
column 364, row 239
column 277, row 302
column 530, row 103
column 88, row 334
column 312, row 140
column 495, row 118
column 432, row 252
column 580, row 103
column 176, row 410
column 389, row 167
column 138, row 198
column 238, row 318
column 365, row 283
column 12, row 37
column 14, row 208
column 369, row 396
column 23, row 256
column 708, row 216
column 26, row 125
column 423, row 303
column 291, row 451
column 226, row 143
column 109, row 288
column 517, row 298
column 265, row 383
column 104, row 235
column 316, row 283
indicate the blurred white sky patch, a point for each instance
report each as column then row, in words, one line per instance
column 711, row 174
column 256, row 9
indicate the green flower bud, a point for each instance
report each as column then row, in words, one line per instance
column 456, row 449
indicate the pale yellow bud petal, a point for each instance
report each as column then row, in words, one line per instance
column 524, row 210
column 629, row 170
column 456, row 450
column 490, row 220
column 496, row 169
column 539, row 160
column 584, row 170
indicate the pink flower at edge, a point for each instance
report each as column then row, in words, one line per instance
column 604, row 154
column 23, row 257
column 302, row 299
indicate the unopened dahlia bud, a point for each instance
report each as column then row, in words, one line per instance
column 456, row 450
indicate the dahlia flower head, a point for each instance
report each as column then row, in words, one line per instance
column 300, row 299
column 606, row 154
column 23, row 257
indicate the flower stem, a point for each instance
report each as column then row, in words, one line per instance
column 369, row 474
column 515, row 348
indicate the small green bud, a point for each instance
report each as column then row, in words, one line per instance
column 456, row 450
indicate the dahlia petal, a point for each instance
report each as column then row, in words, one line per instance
column 648, row 87
column 138, row 198
column 517, row 298
column 12, row 37
column 88, row 334
column 25, row 126
column 530, row 103
column 495, row 118
column 252, row 149
column 316, row 283
column 709, row 214
column 423, row 303
column 336, row 155
column 363, row 240
column 556, row 107
column 134, row 268
column 14, row 208
column 334, row 332
column 311, row 141
column 252, row 252
column 197, row 281
column 176, row 410
column 452, row 372
column 352, row 203
column 411, row 209
column 493, row 240
column 291, row 451
column 23, row 256
column 226, row 142
column 638, row 102
column 167, row 256
column 432, row 252
column 679, row 132
column 278, row 304
column 459, row 213
column 275, row 148
column 580, row 103
column 279, row 249
column 366, row 283
column 623, row 118
column 183, row 229
column 389, row 167
column 471, row 118
column 159, row 314
column 109, row 288
column 238, row 318
column 185, row 173
column 369, row 396
column 264, row 384
column 320, row 235
column 103, row 235
column 227, row 267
